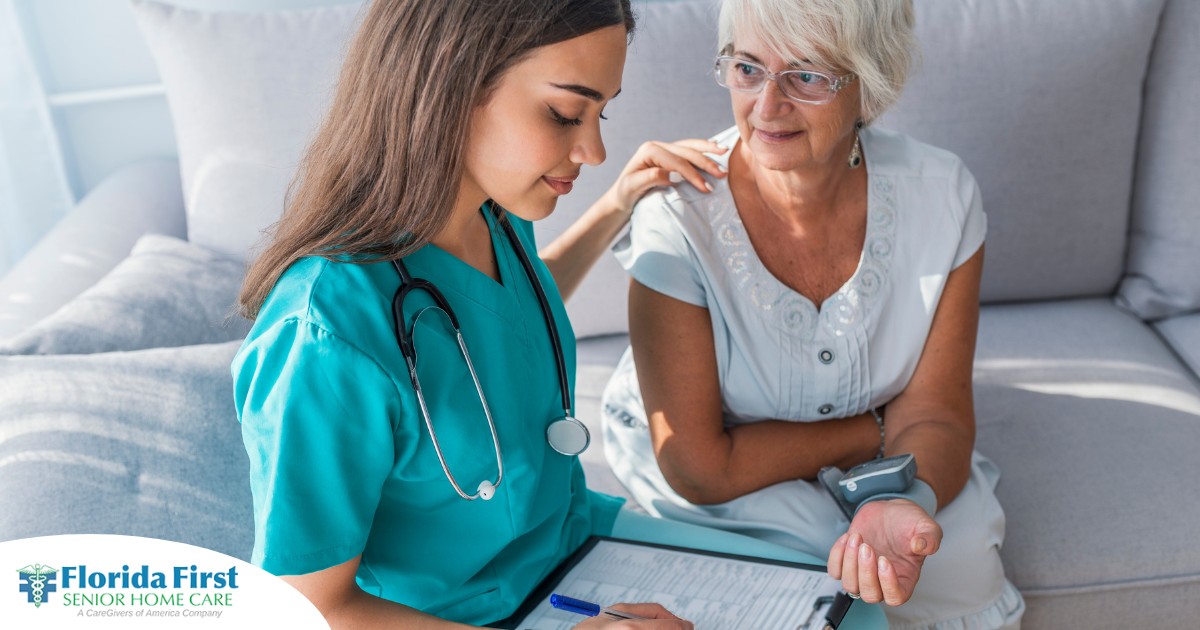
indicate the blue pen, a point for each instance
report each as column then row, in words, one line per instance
column 578, row 606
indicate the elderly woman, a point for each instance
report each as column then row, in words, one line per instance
column 817, row 308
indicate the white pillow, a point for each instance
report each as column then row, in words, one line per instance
column 246, row 91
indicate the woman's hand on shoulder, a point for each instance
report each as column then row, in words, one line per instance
column 656, row 618
column 653, row 164
column 881, row 555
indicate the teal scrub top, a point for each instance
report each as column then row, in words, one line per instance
column 341, row 463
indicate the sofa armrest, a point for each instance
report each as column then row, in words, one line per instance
column 140, row 199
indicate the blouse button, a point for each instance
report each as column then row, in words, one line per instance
column 825, row 409
column 825, row 356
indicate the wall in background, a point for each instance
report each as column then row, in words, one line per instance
column 87, row 102
column 79, row 99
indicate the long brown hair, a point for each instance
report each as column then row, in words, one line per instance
column 373, row 182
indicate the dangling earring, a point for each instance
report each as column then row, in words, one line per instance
column 856, row 151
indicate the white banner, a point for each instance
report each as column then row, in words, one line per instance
column 104, row 581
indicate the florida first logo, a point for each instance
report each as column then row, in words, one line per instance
column 37, row 580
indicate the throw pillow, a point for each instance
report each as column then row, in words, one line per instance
column 246, row 92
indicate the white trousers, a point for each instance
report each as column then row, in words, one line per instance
column 962, row 586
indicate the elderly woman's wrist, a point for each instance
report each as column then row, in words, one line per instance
column 877, row 415
column 866, row 442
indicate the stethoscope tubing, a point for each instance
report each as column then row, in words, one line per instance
column 437, row 445
column 408, row 284
column 547, row 314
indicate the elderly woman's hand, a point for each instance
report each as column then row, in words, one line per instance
column 881, row 555
column 653, row 165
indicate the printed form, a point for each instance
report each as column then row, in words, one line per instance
column 713, row 592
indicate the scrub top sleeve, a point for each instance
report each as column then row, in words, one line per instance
column 970, row 212
column 657, row 254
column 316, row 424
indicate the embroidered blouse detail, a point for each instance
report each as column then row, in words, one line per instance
column 779, row 355
column 791, row 311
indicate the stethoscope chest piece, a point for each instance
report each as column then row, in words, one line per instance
column 568, row 436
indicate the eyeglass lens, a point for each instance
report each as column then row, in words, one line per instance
column 744, row 76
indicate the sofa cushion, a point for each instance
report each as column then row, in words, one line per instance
column 1041, row 100
column 142, row 443
column 597, row 357
column 246, row 91
column 1165, row 240
column 1093, row 423
column 1183, row 335
column 167, row 292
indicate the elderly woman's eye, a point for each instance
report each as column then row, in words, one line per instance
column 746, row 69
column 807, row 77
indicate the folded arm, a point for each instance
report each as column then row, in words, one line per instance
column 934, row 417
column 882, row 554
column 704, row 461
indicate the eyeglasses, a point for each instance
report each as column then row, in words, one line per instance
column 805, row 86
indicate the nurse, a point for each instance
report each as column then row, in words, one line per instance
column 421, row 487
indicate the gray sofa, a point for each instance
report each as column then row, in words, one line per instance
column 1077, row 117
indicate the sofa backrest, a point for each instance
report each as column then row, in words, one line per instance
column 1042, row 100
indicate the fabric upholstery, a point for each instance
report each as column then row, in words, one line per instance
column 246, row 92
column 1086, row 411
column 140, row 199
column 1183, row 335
column 140, row 443
column 1041, row 101
column 1084, row 408
column 1164, row 245
column 167, row 293
column 596, row 358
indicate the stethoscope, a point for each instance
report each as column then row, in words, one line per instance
column 567, row 435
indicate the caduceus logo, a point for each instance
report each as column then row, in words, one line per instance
column 37, row 580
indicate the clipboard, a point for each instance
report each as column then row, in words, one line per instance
column 717, row 591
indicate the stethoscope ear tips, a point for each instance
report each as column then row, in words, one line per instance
column 486, row 490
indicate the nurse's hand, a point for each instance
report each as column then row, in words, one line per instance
column 881, row 556
column 653, row 165
column 656, row 618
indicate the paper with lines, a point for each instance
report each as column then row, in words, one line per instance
column 713, row 592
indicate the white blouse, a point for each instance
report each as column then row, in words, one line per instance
column 780, row 356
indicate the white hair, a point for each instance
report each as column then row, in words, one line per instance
column 873, row 39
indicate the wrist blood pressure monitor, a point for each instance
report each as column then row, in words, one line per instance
column 888, row 478
column 890, row 474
